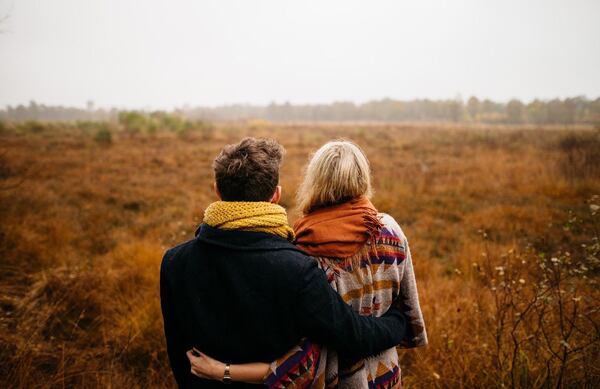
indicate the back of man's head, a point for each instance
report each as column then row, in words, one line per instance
column 248, row 170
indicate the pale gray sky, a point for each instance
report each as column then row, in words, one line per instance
column 161, row 54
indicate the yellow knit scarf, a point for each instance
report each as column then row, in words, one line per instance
column 249, row 216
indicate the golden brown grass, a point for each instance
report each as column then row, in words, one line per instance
column 501, row 224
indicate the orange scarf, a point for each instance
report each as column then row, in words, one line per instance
column 339, row 231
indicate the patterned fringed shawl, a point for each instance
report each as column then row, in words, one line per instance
column 387, row 279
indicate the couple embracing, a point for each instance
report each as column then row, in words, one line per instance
column 251, row 301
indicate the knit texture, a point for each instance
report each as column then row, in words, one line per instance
column 258, row 216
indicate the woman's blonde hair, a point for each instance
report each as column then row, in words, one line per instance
column 337, row 172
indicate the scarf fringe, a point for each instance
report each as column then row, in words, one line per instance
column 374, row 225
column 339, row 231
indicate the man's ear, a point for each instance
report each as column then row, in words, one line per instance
column 277, row 195
column 217, row 190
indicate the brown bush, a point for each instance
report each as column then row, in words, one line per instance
column 580, row 157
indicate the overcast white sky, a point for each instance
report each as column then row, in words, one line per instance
column 161, row 54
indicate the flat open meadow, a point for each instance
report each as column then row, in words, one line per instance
column 503, row 224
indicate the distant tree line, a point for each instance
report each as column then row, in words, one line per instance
column 41, row 112
column 557, row 111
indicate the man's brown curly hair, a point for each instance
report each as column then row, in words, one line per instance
column 248, row 170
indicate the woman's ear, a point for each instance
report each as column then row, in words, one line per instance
column 277, row 195
column 217, row 190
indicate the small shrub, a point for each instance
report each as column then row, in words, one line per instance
column 151, row 128
column 543, row 314
column 33, row 126
column 580, row 157
column 133, row 122
column 103, row 136
column 184, row 129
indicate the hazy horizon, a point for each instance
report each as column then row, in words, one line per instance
column 168, row 54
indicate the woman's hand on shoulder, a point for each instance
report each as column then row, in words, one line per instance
column 204, row 366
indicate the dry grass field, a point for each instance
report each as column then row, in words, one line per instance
column 503, row 225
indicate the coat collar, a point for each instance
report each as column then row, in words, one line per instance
column 242, row 240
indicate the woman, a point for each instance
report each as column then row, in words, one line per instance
column 367, row 261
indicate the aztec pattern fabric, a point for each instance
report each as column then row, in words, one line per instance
column 259, row 216
column 300, row 368
column 385, row 278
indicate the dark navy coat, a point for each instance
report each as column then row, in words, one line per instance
column 243, row 296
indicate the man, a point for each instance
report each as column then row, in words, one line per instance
column 241, row 291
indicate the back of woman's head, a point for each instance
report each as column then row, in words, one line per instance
column 337, row 172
